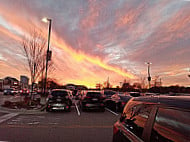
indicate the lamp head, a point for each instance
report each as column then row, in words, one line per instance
column 45, row 19
column 148, row 63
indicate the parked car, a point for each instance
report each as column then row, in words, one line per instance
column 92, row 100
column 122, row 102
column 36, row 96
column 9, row 91
column 154, row 119
column 24, row 91
column 109, row 93
column 15, row 91
column 117, row 101
column 59, row 99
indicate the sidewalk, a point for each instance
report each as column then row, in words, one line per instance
column 26, row 111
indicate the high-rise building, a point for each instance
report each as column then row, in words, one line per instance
column 24, row 81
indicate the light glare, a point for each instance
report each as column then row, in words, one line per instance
column 45, row 20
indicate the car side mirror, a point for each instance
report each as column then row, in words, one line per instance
column 123, row 116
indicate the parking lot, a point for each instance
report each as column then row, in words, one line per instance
column 74, row 126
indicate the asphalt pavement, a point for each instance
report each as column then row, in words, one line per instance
column 74, row 126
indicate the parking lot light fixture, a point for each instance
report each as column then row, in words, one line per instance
column 46, row 20
column 149, row 77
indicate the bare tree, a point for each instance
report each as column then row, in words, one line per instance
column 34, row 47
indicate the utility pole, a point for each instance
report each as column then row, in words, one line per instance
column 108, row 84
column 149, row 77
column 48, row 54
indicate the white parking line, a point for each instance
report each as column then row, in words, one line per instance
column 77, row 109
column 112, row 111
column 7, row 116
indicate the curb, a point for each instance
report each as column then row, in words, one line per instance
column 23, row 111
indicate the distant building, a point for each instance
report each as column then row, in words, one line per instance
column 24, row 81
column 10, row 82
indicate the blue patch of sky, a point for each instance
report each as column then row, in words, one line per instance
column 9, row 27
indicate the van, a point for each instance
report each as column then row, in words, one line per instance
column 154, row 119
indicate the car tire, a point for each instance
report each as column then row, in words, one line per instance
column 47, row 109
column 69, row 109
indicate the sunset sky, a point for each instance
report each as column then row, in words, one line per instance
column 95, row 39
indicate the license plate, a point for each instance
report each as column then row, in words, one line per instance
column 94, row 99
column 59, row 100
column 58, row 108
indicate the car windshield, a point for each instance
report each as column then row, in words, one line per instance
column 59, row 93
column 109, row 93
column 93, row 94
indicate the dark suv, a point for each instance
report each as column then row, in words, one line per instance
column 92, row 100
column 155, row 119
column 59, row 99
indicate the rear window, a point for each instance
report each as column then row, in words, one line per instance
column 109, row 93
column 93, row 94
column 171, row 125
column 59, row 93
column 135, row 94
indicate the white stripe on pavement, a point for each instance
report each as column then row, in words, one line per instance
column 7, row 116
column 112, row 111
column 77, row 109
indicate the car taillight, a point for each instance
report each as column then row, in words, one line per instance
column 102, row 97
column 87, row 97
column 50, row 96
column 102, row 104
column 123, row 103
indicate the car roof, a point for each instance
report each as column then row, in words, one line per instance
column 134, row 92
column 60, row 90
column 182, row 102
column 93, row 91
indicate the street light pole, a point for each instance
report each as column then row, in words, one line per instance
column 48, row 51
column 149, row 77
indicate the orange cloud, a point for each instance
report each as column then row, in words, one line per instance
column 81, row 57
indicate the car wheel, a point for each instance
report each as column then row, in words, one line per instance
column 48, row 109
column 69, row 109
